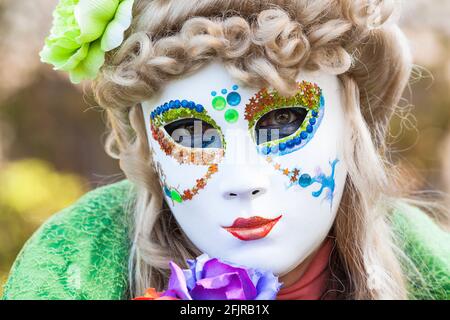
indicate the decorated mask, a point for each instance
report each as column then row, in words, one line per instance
column 252, row 177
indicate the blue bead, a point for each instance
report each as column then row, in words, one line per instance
column 266, row 150
column 235, row 87
column 159, row 110
column 213, row 93
column 309, row 128
column 304, row 135
column 322, row 101
column 290, row 144
column 305, row 181
column 234, row 99
column 152, row 115
column 199, row 108
column 298, row 141
column 177, row 104
column 312, row 121
column 224, row 91
column 282, row 146
column 167, row 191
column 315, row 113
column 184, row 103
column 191, row 105
column 172, row 104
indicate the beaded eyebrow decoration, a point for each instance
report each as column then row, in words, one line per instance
column 308, row 96
column 176, row 110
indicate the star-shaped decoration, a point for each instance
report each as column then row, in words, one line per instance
column 213, row 168
column 201, row 183
column 187, row 195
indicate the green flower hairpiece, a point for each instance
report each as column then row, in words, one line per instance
column 83, row 31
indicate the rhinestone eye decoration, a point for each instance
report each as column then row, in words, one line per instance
column 176, row 110
column 309, row 96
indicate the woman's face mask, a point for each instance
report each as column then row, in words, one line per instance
column 252, row 177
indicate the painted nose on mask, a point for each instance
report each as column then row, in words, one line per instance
column 244, row 175
column 244, row 186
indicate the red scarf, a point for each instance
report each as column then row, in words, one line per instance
column 313, row 283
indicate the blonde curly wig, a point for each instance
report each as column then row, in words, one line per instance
column 265, row 43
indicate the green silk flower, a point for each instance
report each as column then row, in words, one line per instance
column 83, row 31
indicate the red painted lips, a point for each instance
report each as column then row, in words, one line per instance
column 253, row 228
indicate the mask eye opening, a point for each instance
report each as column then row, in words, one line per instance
column 194, row 133
column 278, row 124
column 309, row 96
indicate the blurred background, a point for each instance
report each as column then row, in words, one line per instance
column 51, row 133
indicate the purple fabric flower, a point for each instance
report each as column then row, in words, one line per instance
column 212, row 279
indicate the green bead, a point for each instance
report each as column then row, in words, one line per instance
column 175, row 196
column 219, row 103
column 231, row 116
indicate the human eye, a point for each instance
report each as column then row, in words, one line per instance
column 281, row 125
column 194, row 133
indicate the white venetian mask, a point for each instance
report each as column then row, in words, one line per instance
column 252, row 177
